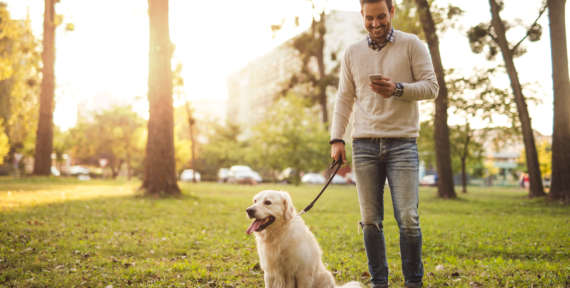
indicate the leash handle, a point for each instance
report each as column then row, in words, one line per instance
column 335, row 163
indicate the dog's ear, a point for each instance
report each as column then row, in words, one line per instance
column 288, row 208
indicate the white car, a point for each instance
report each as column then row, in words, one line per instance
column 55, row 171
column 223, row 175
column 337, row 179
column 313, row 178
column 189, row 175
column 77, row 170
column 350, row 178
column 428, row 180
column 244, row 175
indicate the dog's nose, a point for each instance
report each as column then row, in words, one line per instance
column 250, row 212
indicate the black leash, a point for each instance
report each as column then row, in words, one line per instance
column 335, row 163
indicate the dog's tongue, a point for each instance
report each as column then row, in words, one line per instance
column 254, row 225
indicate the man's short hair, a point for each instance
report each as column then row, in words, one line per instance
column 388, row 3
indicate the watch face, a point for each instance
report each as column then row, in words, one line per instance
column 399, row 90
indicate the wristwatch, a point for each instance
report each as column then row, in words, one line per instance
column 399, row 90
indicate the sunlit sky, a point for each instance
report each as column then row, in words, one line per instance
column 105, row 59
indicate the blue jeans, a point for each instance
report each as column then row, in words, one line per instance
column 376, row 159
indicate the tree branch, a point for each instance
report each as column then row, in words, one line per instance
column 491, row 34
column 542, row 10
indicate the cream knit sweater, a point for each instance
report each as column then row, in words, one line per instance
column 404, row 60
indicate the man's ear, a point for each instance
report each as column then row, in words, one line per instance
column 288, row 208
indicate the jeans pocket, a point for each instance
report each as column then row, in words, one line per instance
column 364, row 147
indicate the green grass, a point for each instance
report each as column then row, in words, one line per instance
column 67, row 233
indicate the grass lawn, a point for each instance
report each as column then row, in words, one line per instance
column 67, row 233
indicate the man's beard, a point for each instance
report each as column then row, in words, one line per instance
column 379, row 34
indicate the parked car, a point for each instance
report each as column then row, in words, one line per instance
column 55, row 171
column 428, row 180
column 223, row 175
column 313, row 178
column 189, row 175
column 337, row 179
column 242, row 174
column 350, row 178
column 77, row 170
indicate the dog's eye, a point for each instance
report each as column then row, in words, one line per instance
column 267, row 202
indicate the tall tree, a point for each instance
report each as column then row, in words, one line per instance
column 19, row 83
column 191, row 131
column 476, row 97
column 178, row 87
column 536, row 189
column 44, row 134
column 160, row 172
column 441, row 133
column 314, row 77
column 560, row 185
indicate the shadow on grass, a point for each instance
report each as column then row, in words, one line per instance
column 123, row 240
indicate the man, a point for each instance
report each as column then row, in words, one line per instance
column 384, row 132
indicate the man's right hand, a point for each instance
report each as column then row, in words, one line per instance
column 338, row 151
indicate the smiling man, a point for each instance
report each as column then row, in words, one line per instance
column 382, row 78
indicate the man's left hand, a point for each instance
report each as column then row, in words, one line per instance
column 385, row 87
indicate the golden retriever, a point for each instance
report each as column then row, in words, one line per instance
column 288, row 252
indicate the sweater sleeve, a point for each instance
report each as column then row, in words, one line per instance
column 344, row 99
column 425, row 82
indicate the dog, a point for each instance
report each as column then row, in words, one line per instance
column 288, row 252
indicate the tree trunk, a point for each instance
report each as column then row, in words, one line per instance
column 560, row 180
column 319, row 30
column 536, row 189
column 463, row 175
column 445, row 188
column 464, row 159
column 191, row 122
column 44, row 134
column 128, row 161
column 159, row 173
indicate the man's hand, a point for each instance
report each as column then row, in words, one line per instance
column 338, row 151
column 385, row 87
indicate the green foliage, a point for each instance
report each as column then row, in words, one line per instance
column 290, row 137
column 466, row 146
column 483, row 36
column 464, row 143
column 544, row 151
column 476, row 98
column 117, row 134
column 407, row 18
column 426, row 144
column 226, row 146
column 492, row 237
column 314, row 79
column 182, row 141
column 19, row 80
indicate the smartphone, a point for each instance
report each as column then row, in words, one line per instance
column 375, row 77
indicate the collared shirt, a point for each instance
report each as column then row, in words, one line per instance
column 375, row 46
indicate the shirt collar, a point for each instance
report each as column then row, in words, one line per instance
column 375, row 46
